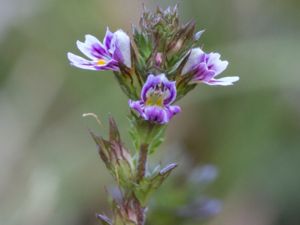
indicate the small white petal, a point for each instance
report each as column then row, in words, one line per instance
column 193, row 60
column 163, row 77
column 224, row 81
column 91, row 40
column 86, row 50
column 80, row 62
column 220, row 67
column 122, row 41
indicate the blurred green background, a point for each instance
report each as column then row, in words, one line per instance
column 50, row 172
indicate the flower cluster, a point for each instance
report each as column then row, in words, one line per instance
column 158, row 90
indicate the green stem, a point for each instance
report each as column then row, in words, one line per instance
column 140, row 212
column 142, row 163
column 141, row 172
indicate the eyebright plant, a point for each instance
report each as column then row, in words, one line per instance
column 159, row 65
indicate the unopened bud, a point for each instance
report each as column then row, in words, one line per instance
column 158, row 59
column 104, row 219
column 198, row 35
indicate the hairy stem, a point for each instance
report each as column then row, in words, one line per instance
column 140, row 212
column 142, row 163
column 141, row 171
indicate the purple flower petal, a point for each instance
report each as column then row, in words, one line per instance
column 122, row 48
column 206, row 67
column 170, row 91
column 173, row 110
column 193, row 60
column 225, row 81
column 92, row 48
column 151, row 82
column 137, row 106
column 108, row 38
column 214, row 63
column 156, row 114
column 156, row 96
column 81, row 62
column 106, row 56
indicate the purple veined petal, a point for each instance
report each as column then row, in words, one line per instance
column 156, row 114
column 162, row 78
column 151, row 82
column 220, row 67
column 122, row 48
column 92, row 48
column 193, row 60
column 108, row 38
column 86, row 50
column 213, row 58
column 109, row 65
column 171, row 87
column 80, row 62
column 137, row 106
column 215, row 63
column 92, row 41
column 172, row 110
column 151, row 107
column 224, row 81
column 203, row 73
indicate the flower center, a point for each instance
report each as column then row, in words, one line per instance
column 101, row 62
column 155, row 99
column 156, row 95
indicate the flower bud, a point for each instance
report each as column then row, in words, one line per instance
column 158, row 59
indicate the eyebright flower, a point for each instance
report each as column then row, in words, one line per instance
column 103, row 56
column 206, row 67
column 157, row 95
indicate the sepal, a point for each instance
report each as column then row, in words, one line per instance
column 125, row 212
column 183, row 83
column 116, row 157
column 127, row 79
column 182, row 40
column 142, row 131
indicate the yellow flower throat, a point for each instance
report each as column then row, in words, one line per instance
column 101, row 62
column 155, row 99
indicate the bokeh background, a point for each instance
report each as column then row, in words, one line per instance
column 248, row 133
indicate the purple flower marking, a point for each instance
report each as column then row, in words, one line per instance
column 103, row 56
column 206, row 67
column 157, row 95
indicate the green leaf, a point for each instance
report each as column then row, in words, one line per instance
column 148, row 185
column 104, row 219
column 157, row 138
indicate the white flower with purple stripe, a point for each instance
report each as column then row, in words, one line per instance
column 206, row 67
column 157, row 95
column 103, row 56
